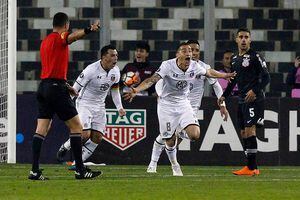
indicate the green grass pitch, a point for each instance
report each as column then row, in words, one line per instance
column 132, row 182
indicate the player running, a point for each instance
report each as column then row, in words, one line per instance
column 197, row 86
column 93, row 85
column 174, row 109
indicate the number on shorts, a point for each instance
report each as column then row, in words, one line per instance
column 168, row 126
column 251, row 111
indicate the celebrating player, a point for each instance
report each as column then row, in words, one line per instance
column 174, row 108
column 53, row 94
column 93, row 85
column 252, row 77
column 197, row 86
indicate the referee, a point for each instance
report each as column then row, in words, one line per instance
column 252, row 77
column 53, row 94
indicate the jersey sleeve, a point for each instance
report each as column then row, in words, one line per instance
column 261, row 65
column 64, row 37
column 211, row 81
column 201, row 70
column 85, row 76
column 118, row 75
column 163, row 70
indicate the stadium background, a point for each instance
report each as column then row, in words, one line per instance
column 164, row 24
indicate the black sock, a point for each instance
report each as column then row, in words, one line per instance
column 245, row 146
column 36, row 150
column 251, row 152
column 76, row 146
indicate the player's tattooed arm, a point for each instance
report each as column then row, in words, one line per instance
column 147, row 83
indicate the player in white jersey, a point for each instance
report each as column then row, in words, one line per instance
column 93, row 85
column 195, row 96
column 174, row 108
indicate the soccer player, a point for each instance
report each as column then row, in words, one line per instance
column 93, row 85
column 174, row 108
column 252, row 77
column 197, row 86
column 53, row 94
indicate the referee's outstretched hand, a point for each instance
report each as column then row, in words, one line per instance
column 95, row 26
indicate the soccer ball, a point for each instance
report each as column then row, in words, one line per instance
column 131, row 78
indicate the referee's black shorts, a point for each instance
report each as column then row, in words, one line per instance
column 250, row 114
column 53, row 98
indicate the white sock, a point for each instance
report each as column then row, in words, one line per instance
column 87, row 149
column 67, row 144
column 158, row 147
column 172, row 154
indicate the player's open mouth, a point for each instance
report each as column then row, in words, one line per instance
column 188, row 59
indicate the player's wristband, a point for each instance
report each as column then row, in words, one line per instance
column 87, row 30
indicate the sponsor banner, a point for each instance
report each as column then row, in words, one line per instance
column 123, row 132
column 129, row 140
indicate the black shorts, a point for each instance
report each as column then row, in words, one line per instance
column 250, row 114
column 53, row 98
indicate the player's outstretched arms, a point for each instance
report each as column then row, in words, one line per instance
column 215, row 74
column 143, row 86
column 82, row 32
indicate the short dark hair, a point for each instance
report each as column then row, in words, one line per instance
column 60, row 19
column 193, row 42
column 182, row 44
column 243, row 30
column 104, row 50
column 227, row 51
column 142, row 45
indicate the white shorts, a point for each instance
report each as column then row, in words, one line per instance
column 174, row 118
column 91, row 118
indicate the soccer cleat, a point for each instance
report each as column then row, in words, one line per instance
column 61, row 153
column 177, row 170
column 151, row 169
column 257, row 172
column 37, row 176
column 87, row 174
column 245, row 171
column 72, row 167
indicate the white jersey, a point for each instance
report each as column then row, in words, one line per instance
column 176, row 82
column 197, row 86
column 95, row 83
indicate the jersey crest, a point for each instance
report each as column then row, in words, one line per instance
column 104, row 87
column 181, row 84
column 113, row 78
column 246, row 62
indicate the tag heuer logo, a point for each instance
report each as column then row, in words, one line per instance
column 123, row 132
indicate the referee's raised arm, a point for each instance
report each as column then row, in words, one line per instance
column 82, row 32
